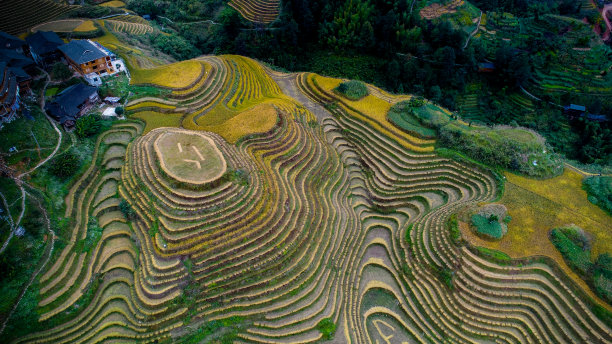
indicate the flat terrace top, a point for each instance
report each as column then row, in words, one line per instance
column 190, row 157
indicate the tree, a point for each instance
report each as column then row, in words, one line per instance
column 596, row 147
column 350, row 28
column 435, row 93
column 119, row 110
column 88, row 126
column 65, row 165
column 60, row 71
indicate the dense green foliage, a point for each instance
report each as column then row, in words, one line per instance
column 577, row 257
column 498, row 256
column 87, row 126
column 489, row 227
column 509, row 148
column 445, row 275
column 403, row 116
column 453, row 228
column 327, row 327
column 60, row 71
column 65, row 165
column 126, row 210
column 575, row 247
column 353, row 90
column 599, row 191
column 516, row 149
column 387, row 43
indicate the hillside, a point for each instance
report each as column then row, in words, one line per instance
column 320, row 212
column 227, row 200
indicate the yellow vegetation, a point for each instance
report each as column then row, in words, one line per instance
column 175, row 75
column 157, row 120
column 110, row 41
column 376, row 109
column 113, row 3
column 536, row 207
column 258, row 119
column 86, row 26
column 207, row 67
column 150, row 103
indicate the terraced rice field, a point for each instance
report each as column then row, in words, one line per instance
column 113, row 3
column 326, row 211
column 128, row 27
column 436, row 10
column 259, row 11
column 65, row 25
column 19, row 16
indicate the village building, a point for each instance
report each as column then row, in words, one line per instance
column 14, row 59
column 10, row 42
column 486, row 67
column 72, row 103
column 91, row 60
column 44, row 47
column 9, row 94
column 574, row 111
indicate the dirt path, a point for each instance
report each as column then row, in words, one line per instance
column 584, row 173
column 59, row 132
column 14, row 224
column 288, row 84
column 467, row 41
column 49, row 253
column 18, row 180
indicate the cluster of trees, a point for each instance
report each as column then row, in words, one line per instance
column 387, row 43
column 599, row 190
column 530, row 7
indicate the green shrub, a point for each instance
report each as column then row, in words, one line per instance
column 496, row 255
column 416, row 102
column 453, row 228
column 327, row 328
column 65, row 165
column 60, row 71
column 353, row 90
column 126, row 209
column 445, row 275
column 87, row 126
column 599, row 190
column 431, row 116
column 403, row 116
column 489, row 227
column 576, row 257
column 514, row 149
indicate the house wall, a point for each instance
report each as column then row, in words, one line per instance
column 88, row 104
column 98, row 66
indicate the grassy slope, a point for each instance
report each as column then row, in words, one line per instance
column 537, row 206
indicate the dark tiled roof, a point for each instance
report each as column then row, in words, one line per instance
column 9, row 41
column 8, row 88
column 577, row 107
column 20, row 74
column 44, row 42
column 15, row 59
column 66, row 104
column 81, row 51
